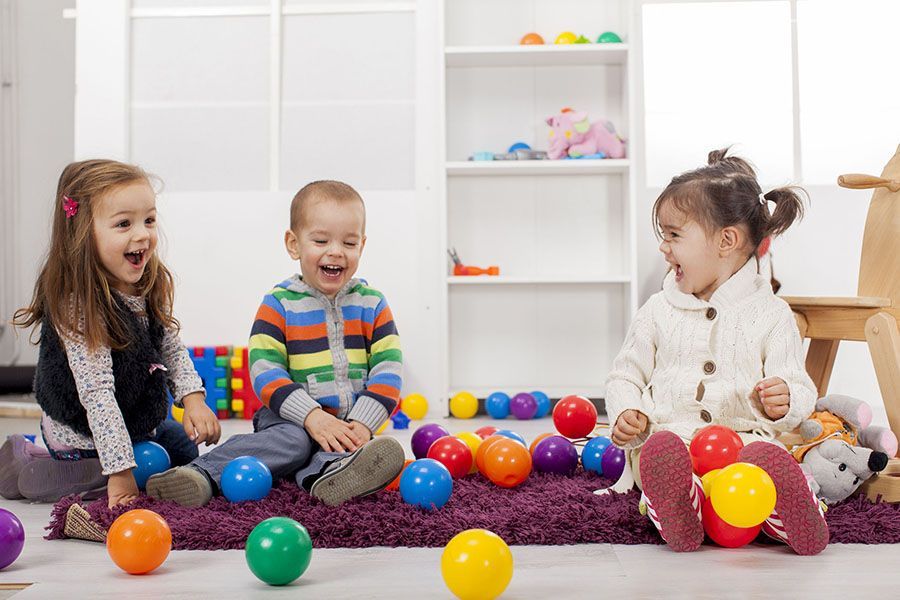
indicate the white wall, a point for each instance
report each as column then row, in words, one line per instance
column 46, row 91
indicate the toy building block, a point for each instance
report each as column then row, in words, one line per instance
column 223, row 404
column 244, row 402
column 460, row 269
column 400, row 420
column 204, row 359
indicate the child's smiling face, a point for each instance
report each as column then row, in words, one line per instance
column 691, row 253
column 328, row 243
column 125, row 233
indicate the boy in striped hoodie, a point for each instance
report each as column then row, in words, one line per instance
column 325, row 361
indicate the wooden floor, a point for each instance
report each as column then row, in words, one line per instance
column 76, row 569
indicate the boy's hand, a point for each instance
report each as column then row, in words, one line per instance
column 332, row 434
column 629, row 425
column 122, row 488
column 200, row 424
column 361, row 433
column 774, row 395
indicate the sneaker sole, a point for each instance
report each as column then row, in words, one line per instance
column 11, row 466
column 667, row 477
column 183, row 485
column 806, row 529
column 371, row 469
column 48, row 479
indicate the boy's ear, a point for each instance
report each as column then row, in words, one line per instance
column 362, row 244
column 292, row 244
column 730, row 240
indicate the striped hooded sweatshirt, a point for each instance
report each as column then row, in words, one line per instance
column 343, row 355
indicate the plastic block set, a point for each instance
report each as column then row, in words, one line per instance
column 226, row 376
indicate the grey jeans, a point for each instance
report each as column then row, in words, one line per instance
column 281, row 445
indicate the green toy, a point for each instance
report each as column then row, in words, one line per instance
column 582, row 40
column 608, row 37
column 278, row 550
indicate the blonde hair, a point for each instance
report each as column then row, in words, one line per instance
column 72, row 275
column 326, row 189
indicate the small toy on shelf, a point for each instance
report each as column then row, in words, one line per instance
column 573, row 135
column 581, row 40
column 531, row 39
column 609, row 37
column 566, row 37
column 459, row 269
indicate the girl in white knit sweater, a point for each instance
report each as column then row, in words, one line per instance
column 715, row 346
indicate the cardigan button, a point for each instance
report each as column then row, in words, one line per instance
column 701, row 389
column 709, row 367
column 711, row 313
column 704, row 414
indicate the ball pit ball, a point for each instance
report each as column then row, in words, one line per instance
column 574, row 416
column 246, row 478
column 278, row 550
column 555, row 454
column 523, row 406
column 139, row 541
column 424, row 437
column 426, row 483
column 613, row 462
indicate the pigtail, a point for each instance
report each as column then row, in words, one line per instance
column 788, row 208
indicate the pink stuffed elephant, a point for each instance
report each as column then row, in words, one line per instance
column 571, row 134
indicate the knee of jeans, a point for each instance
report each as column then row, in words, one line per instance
column 298, row 438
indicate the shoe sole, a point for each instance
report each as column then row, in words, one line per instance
column 667, row 477
column 183, row 485
column 11, row 466
column 370, row 470
column 48, row 479
column 807, row 531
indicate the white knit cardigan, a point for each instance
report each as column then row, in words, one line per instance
column 687, row 363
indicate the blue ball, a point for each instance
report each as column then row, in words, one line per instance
column 151, row 458
column 246, row 478
column 497, row 405
column 543, row 404
column 592, row 455
column 426, row 483
column 511, row 435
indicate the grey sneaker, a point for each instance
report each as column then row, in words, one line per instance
column 47, row 479
column 184, row 485
column 15, row 453
column 364, row 472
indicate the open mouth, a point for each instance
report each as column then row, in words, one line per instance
column 331, row 271
column 136, row 258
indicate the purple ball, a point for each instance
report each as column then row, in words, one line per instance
column 424, row 437
column 613, row 462
column 555, row 454
column 12, row 538
column 523, row 406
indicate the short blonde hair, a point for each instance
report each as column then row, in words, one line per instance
column 325, row 189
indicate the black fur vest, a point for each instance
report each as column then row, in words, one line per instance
column 140, row 393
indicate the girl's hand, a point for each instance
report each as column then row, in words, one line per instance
column 629, row 425
column 332, row 434
column 774, row 395
column 122, row 488
column 200, row 424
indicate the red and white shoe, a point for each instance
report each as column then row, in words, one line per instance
column 672, row 493
column 798, row 519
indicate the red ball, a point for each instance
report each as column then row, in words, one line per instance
column 574, row 416
column 486, row 431
column 714, row 447
column 725, row 535
column 453, row 453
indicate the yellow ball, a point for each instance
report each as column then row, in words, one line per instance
column 383, row 427
column 566, row 37
column 177, row 413
column 477, row 565
column 708, row 479
column 743, row 495
column 472, row 440
column 414, row 406
column 463, row 405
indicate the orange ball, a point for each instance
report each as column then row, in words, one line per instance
column 395, row 484
column 139, row 541
column 482, row 450
column 507, row 463
column 531, row 39
column 537, row 441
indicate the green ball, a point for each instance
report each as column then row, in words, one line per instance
column 608, row 37
column 278, row 550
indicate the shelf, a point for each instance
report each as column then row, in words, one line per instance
column 504, row 280
column 584, row 166
column 553, row 391
column 549, row 55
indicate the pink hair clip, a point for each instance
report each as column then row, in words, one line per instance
column 70, row 207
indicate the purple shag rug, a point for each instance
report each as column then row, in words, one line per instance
column 545, row 510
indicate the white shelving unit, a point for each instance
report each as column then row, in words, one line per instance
column 561, row 231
